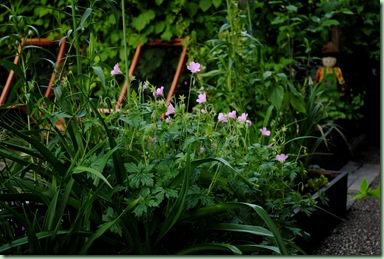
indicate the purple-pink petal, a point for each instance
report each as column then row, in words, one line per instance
column 202, row 98
column 265, row 132
column 116, row 70
column 170, row 109
column 193, row 67
column 232, row 115
column 281, row 157
column 242, row 117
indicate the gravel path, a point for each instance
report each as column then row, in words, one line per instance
column 360, row 233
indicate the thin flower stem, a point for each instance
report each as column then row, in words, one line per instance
column 126, row 53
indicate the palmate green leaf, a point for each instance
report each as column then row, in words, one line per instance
column 178, row 206
column 210, row 247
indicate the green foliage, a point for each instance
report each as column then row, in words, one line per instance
column 317, row 183
column 131, row 182
column 366, row 191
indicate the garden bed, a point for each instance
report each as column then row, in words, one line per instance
column 328, row 215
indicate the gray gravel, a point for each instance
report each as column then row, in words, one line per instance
column 360, row 233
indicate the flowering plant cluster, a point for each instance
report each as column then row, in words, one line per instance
column 156, row 134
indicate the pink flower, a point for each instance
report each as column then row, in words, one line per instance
column 159, row 91
column 201, row 150
column 281, row 158
column 265, row 132
column 242, row 117
column 202, row 98
column 194, row 67
column 203, row 111
column 248, row 123
column 116, row 70
column 170, row 110
column 144, row 86
column 232, row 114
column 222, row 118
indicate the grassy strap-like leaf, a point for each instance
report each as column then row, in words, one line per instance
column 48, row 155
column 81, row 169
column 195, row 163
column 178, row 206
column 255, row 248
column 117, row 160
column 255, row 230
column 25, row 240
column 30, row 151
column 105, row 227
column 210, row 247
column 17, row 159
column 268, row 221
column 218, row 208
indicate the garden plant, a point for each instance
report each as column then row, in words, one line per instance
column 220, row 170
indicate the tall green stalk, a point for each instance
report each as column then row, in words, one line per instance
column 76, row 37
column 125, row 52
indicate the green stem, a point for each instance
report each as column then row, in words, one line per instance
column 126, row 52
column 76, row 35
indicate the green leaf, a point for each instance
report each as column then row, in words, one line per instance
column 364, row 185
column 216, row 3
column 100, row 74
column 143, row 20
column 86, row 14
column 191, row 9
column 276, row 96
column 159, row 27
column 178, row 207
column 210, row 247
column 25, row 240
column 254, row 230
column 81, row 169
column 159, row 2
column 205, row 5
column 297, row 103
column 105, row 227
column 330, row 23
column 291, row 8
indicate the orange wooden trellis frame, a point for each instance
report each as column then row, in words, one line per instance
column 35, row 42
column 175, row 42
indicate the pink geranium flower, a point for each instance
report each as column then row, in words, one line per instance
column 232, row 115
column 170, row 110
column 242, row 117
column 222, row 118
column 265, row 132
column 194, row 67
column 281, row 158
column 202, row 98
column 201, row 150
column 248, row 123
column 159, row 91
column 116, row 70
